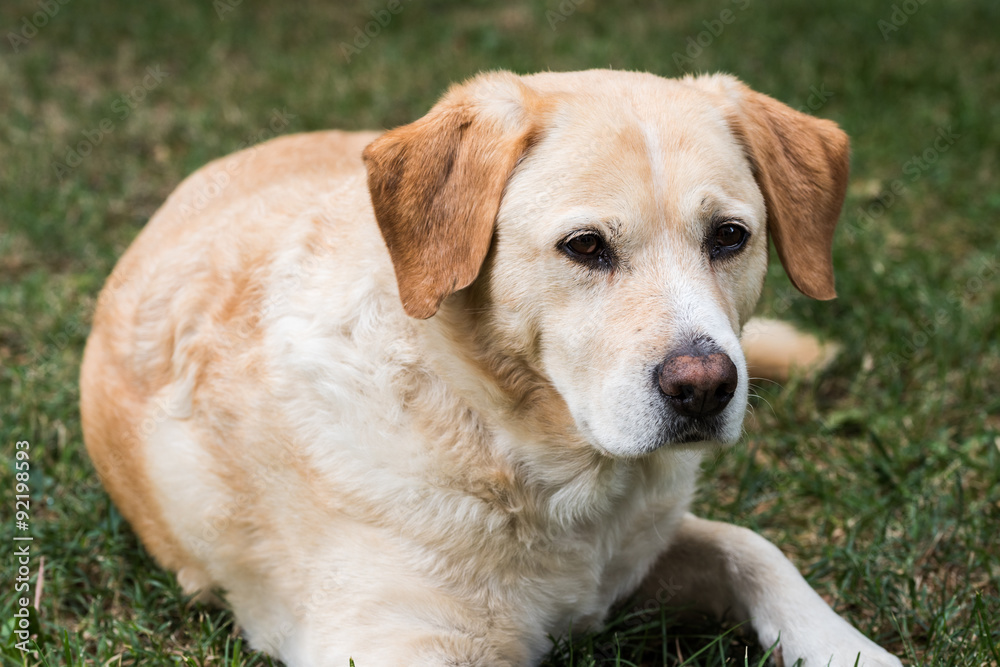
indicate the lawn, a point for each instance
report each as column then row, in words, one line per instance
column 880, row 478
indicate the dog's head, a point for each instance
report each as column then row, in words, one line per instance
column 613, row 229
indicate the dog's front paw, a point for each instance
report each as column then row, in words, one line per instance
column 839, row 646
column 870, row 656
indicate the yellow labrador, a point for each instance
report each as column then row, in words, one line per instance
column 430, row 396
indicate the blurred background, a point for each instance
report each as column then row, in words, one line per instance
column 880, row 478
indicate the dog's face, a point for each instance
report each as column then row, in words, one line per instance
column 618, row 225
column 630, row 234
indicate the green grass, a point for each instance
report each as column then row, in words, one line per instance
column 880, row 479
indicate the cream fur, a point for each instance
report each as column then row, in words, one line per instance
column 359, row 483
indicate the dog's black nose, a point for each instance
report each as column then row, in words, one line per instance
column 698, row 384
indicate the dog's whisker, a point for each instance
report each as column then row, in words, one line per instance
column 764, row 379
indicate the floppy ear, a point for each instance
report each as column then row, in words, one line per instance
column 436, row 185
column 801, row 165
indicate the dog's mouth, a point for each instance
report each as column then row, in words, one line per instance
column 687, row 431
column 691, row 438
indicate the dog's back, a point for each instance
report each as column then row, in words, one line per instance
column 196, row 274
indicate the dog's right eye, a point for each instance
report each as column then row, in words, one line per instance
column 588, row 248
column 728, row 240
column 586, row 245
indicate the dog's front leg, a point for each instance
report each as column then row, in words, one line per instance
column 736, row 574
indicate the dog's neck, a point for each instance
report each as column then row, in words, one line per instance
column 545, row 463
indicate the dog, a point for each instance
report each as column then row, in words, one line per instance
column 429, row 396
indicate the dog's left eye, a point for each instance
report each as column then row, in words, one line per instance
column 728, row 238
column 588, row 248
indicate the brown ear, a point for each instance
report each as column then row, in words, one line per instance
column 801, row 165
column 436, row 185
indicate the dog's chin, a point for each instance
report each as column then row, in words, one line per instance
column 682, row 434
column 700, row 435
